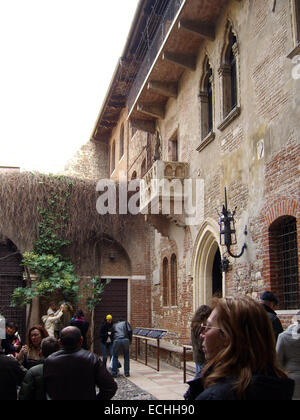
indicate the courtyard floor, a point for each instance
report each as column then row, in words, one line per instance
column 146, row 383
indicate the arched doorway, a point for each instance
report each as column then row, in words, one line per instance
column 115, row 300
column 217, row 276
column 206, row 265
column 11, row 277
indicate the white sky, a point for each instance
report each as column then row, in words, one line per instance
column 57, row 60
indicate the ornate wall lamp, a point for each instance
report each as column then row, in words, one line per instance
column 228, row 233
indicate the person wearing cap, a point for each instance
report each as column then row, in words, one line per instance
column 288, row 353
column 269, row 302
column 106, row 338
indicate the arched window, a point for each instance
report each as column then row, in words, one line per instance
column 121, row 142
column 165, row 282
column 206, row 99
column 173, row 280
column 284, row 261
column 229, row 78
column 208, row 90
column 230, row 75
column 143, row 168
column 113, row 157
column 233, row 71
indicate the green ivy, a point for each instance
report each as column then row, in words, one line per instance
column 53, row 272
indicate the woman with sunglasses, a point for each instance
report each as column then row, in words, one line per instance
column 239, row 347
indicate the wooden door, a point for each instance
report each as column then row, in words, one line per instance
column 114, row 302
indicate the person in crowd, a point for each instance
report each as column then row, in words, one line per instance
column 241, row 362
column 199, row 318
column 288, row 352
column 12, row 342
column 73, row 373
column 51, row 318
column 79, row 321
column 106, row 338
column 122, row 338
column 29, row 355
column 32, row 388
column 11, row 376
column 269, row 302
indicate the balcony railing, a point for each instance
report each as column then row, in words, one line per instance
column 162, row 189
column 167, row 20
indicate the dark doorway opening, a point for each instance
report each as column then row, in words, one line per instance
column 217, row 278
column 11, row 277
column 114, row 302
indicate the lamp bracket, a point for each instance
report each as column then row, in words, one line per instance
column 240, row 254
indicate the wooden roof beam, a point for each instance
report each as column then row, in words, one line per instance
column 188, row 61
column 203, row 29
column 153, row 110
column 164, row 88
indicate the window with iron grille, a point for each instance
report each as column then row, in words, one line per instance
column 284, row 262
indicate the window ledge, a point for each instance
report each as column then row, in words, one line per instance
column 294, row 52
column 207, row 139
column 234, row 113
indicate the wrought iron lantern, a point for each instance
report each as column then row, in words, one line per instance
column 227, row 229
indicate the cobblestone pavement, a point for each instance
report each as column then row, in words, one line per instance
column 129, row 391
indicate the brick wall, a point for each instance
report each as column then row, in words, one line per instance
column 90, row 162
column 256, row 157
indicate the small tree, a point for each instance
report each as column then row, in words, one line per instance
column 48, row 272
column 95, row 289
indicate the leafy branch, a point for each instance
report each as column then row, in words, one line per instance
column 52, row 272
column 95, row 288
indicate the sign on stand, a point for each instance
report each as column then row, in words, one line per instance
column 2, row 327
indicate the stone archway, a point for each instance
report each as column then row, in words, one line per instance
column 204, row 264
column 116, row 298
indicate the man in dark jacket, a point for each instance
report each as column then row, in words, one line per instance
column 73, row 373
column 122, row 337
column 11, row 376
column 32, row 388
column 269, row 302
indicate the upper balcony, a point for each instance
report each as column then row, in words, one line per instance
column 163, row 42
column 160, row 37
column 162, row 192
column 174, row 49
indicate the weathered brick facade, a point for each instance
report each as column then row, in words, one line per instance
column 254, row 152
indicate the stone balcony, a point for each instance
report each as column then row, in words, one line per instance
column 162, row 194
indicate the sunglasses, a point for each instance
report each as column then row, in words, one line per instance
column 204, row 328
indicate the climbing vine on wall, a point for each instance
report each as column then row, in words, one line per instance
column 49, row 273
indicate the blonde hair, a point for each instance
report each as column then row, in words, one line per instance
column 251, row 344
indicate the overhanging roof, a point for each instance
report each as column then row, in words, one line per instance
column 149, row 91
column 127, row 67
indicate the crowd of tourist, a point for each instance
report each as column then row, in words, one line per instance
column 240, row 349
